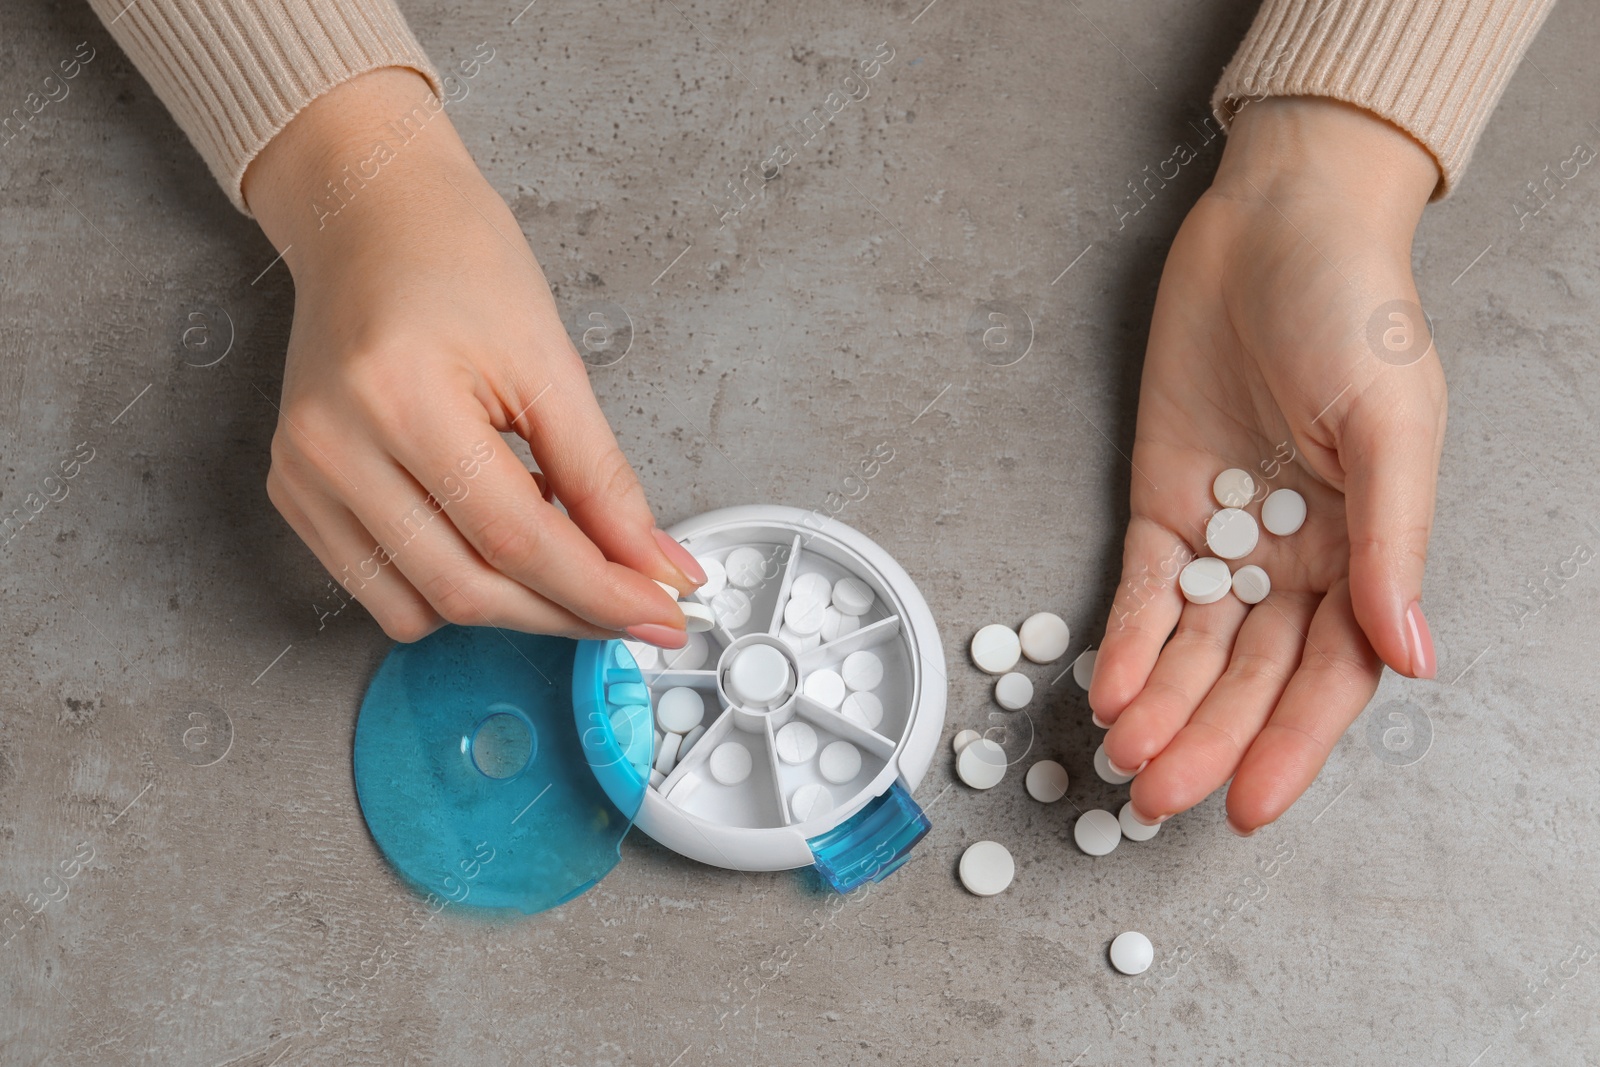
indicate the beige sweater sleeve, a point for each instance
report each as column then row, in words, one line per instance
column 234, row 72
column 1435, row 68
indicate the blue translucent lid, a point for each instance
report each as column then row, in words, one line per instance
column 493, row 770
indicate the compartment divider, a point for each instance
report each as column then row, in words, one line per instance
column 669, row 679
column 868, row 636
column 845, row 729
column 772, row 764
column 784, row 587
column 701, row 752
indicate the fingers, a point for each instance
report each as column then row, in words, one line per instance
column 1146, row 608
column 1206, row 751
column 1389, row 447
column 1338, row 674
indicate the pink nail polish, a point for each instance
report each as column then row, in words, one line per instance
column 653, row 633
column 681, row 558
column 1419, row 640
column 1235, row 830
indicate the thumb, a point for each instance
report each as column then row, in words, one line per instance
column 1389, row 449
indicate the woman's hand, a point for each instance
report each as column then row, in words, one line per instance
column 423, row 329
column 1287, row 340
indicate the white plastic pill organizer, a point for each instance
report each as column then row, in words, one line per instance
column 779, row 815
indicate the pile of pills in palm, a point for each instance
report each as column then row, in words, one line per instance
column 1232, row 533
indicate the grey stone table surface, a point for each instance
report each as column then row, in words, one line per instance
column 185, row 868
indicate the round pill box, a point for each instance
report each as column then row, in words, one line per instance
column 504, row 769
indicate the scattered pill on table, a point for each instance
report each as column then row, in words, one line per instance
column 862, row 671
column 1232, row 534
column 691, row 657
column 667, row 753
column 1046, row 781
column 1083, row 668
column 839, row 762
column 852, row 596
column 1234, row 488
column 996, row 648
column 811, row 586
column 732, row 607
column 758, row 676
column 810, row 801
column 680, row 709
column 981, row 764
column 745, row 567
column 1107, row 773
column 835, row 623
column 1283, row 512
column 1097, row 832
column 796, row 742
column 1251, row 584
column 1205, row 580
column 1013, row 691
column 986, row 868
column 716, row 579
column 864, row 709
column 1044, row 637
column 826, row 688
column 804, row 617
column 1132, row 828
column 963, row 739
column 697, row 618
column 689, row 739
column 730, row 763
column 1132, row 953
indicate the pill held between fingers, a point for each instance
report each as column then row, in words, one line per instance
column 804, row 617
column 1013, row 691
column 861, row 670
column 730, row 763
column 1102, row 767
column 697, row 618
column 667, row 755
column 986, row 868
column 864, row 709
column 1097, row 832
column 732, row 607
column 826, row 688
column 852, row 596
column 745, row 567
column 689, row 739
column 1046, row 781
column 1132, row 828
column 811, row 586
column 810, row 801
column 796, row 743
column 1234, row 488
column 1232, row 534
column 1283, row 512
column 996, row 648
column 716, row 579
column 963, row 739
column 1044, row 637
column 1205, row 580
column 1132, row 953
column 1083, row 669
column 680, row 710
column 1251, row 584
column 691, row 657
column 982, row 764
column 835, row 623
column 839, row 762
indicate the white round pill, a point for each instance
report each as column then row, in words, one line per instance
column 982, row 764
column 839, row 762
column 689, row 739
column 835, row 624
column 667, row 753
column 745, row 566
column 1251, row 584
column 680, row 710
column 963, row 739
column 804, row 617
column 1013, row 691
column 796, row 742
column 863, row 708
column 810, row 801
column 996, row 648
column 697, row 618
column 1132, row 953
column 826, row 688
column 1083, row 668
column 1132, row 828
column 1044, row 637
column 758, row 676
column 1283, row 511
column 862, row 670
column 811, row 586
column 798, row 643
column 1234, row 488
column 691, row 657
column 646, row 657
column 1102, row 767
column 1046, row 781
column 1097, row 832
column 1232, row 534
column 733, row 608
column 986, row 868
column 1205, row 580
column 730, row 763
column 716, row 579
column 852, row 596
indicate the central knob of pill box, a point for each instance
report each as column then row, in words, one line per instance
column 759, row 676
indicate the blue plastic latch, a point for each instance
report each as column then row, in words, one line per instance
column 872, row 843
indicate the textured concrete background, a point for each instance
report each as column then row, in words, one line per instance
column 173, row 708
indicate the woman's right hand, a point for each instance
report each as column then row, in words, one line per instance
column 423, row 329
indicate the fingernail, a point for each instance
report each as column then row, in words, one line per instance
column 1095, row 718
column 653, row 633
column 681, row 558
column 1128, row 773
column 1419, row 639
column 544, row 486
column 1234, row 829
column 1144, row 821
